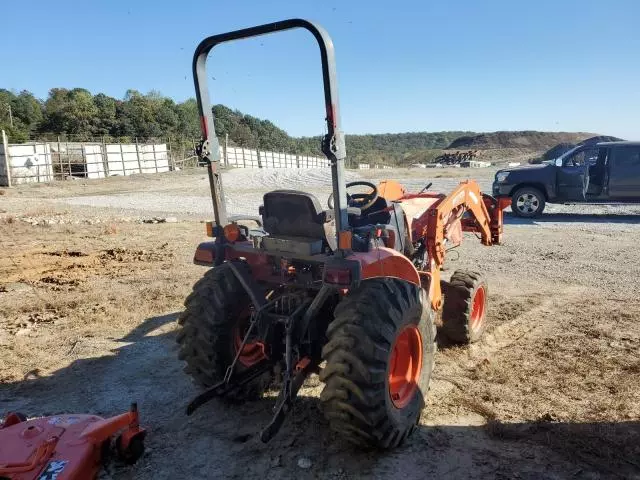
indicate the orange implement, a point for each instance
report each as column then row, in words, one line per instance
column 65, row 447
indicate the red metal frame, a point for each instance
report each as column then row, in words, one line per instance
column 435, row 225
column 436, row 222
column 71, row 444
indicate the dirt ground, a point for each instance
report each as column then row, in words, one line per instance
column 89, row 296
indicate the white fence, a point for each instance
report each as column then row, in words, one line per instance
column 125, row 159
column 25, row 163
column 44, row 162
column 47, row 161
column 245, row 158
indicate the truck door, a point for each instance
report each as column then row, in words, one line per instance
column 624, row 172
column 572, row 175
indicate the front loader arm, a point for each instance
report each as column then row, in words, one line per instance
column 487, row 221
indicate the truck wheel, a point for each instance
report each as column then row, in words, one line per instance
column 465, row 307
column 213, row 325
column 379, row 357
column 527, row 202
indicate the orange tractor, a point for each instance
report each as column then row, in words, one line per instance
column 350, row 292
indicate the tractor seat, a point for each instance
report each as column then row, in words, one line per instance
column 296, row 223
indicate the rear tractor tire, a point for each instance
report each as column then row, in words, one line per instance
column 465, row 307
column 379, row 357
column 213, row 325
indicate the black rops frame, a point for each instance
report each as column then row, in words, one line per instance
column 333, row 144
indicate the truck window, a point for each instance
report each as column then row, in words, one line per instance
column 583, row 157
column 624, row 174
column 625, row 157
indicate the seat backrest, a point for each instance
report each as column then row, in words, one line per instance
column 293, row 213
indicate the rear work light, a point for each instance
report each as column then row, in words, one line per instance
column 342, row 273
column 338, row 276
column 204, row 255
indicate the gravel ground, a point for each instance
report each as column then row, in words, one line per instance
column 90, row 295
column 244, row 190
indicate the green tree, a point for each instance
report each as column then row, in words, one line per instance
column 104, row 123
column 145, row 116
column 70, row 111
column 188, row 119
column 23, row 110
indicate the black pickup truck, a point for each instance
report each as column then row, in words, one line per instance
column 607, row 172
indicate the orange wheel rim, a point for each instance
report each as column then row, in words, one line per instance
column 405, row 366
column 252, row 352
column 477, row 308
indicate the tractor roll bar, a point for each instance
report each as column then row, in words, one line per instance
column 333, row 144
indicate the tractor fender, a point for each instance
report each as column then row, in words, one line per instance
column 385, row 262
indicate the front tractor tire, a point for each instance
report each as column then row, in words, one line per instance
column 216, row 315
column 379, row 357
column 465, row 307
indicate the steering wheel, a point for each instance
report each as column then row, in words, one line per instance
column 358, row 200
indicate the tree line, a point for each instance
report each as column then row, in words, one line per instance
column 79, row 115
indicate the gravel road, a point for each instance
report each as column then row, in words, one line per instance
column 187, row 195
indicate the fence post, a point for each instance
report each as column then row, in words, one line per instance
column 224, row 149
column 35, row 154
column 124, row 167
column 170, row 153
column 85, row 165
column 48, row 162
column 244, row 162
column 66, row 142
column 60, row 160
column 7, row 162
column 138, row 157
column 155, row 160
column 258, row 153
column 105, row 158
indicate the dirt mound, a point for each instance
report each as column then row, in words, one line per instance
column 600, row 138
column 524, row 139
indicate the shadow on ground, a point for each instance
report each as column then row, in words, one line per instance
column 221, row 441
column 511, row 219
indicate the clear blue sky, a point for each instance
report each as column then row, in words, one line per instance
column 421, row 65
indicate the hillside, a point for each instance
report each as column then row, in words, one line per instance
column 385, row 147
column 532, row 140
column 77, row 114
